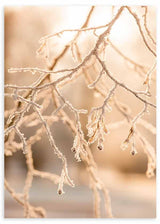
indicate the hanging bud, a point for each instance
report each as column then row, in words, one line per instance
column 73, row 149
column 100, row 147
column 124, row 145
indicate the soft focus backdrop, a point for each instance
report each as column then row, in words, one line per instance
column 132, row 193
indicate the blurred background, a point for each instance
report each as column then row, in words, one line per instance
column 133, row 195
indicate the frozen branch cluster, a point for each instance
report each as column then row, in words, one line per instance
column 28, row 97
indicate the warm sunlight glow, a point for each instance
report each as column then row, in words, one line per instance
column 123, row 30
column 80, row 111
